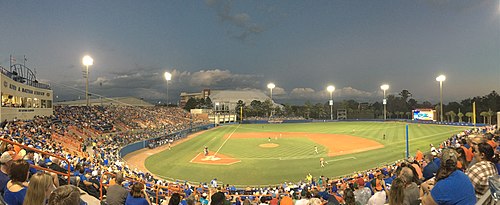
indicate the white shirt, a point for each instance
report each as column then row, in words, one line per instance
column 377, row 199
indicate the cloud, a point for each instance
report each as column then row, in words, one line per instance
column 303, row 93
column 352, row 93
column 242, row 21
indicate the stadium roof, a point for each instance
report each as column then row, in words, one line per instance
column 124, row 101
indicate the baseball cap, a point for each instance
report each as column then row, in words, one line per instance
column 449, row 154
column 8, row 156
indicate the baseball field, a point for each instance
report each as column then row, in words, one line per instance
column 267, row 154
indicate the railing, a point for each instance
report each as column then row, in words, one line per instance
column 68, row 175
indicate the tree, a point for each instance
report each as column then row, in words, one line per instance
column 408, row 114
column 208, row 103
column 469, row 115
column 191, row 104
column 402, row 114
column 405, row 94
column 490, row 114
column 460, row 115
column 484, row 114
column 451, row 116
column 412, row 104
column 267, row 107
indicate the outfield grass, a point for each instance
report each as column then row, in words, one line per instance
column 295, row 157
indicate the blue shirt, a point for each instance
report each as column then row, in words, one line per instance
column 455, row 189
column 430, row 170
column 3, row 181
column 135, row 201
column 15, row 198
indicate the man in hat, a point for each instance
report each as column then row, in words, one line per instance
column 5, row 162
column 450, row 186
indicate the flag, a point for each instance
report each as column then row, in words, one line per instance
column 12, row 59
column 25, row 59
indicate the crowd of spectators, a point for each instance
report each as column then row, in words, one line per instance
column 97, row 155
column 464, row 160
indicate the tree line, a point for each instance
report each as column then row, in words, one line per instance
column 399, row 106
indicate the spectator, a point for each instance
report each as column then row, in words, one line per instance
column 137, row 195
column 349, row 197
column 483, row 168
column 40, row 186
column 431, row 168
column 65, row 195
column 175, row 199
column 378, row 198
column 450, row 186
column 396, row 194
column 5, row 162
column 117, row 194
column 361, row 193
column 217, row 199
column 411, row 191
column 15, row 191
column 315, row 201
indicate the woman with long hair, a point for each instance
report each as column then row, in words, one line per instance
column 396, row 194
column 175, row 199
column 15, row 190
column 462, row 161
column 137, row 195
column 39, row 189
column 484, row 167
column 349, row 197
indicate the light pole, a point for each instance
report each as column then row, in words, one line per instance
column 330, row 89
column 384, row 87
column 168, row 77
column 87, row 61
column 271, row 86
column 441, row 78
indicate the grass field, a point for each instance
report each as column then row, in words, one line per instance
column 295, row 157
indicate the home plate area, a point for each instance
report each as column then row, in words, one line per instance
column 215, row 159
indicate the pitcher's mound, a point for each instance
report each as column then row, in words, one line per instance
column 269, row 145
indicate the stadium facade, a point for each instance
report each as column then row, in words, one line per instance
column 23, row 97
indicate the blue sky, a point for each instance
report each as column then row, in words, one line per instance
column 301, row 46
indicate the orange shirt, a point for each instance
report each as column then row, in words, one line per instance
column 468, row 153
column 286, row 200
column 459, row 164
column 17, row 149
column 419, row 171
column 493, row 144
column 419, row 156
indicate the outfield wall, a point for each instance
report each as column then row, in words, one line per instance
column 177, row 135
column 370, row 120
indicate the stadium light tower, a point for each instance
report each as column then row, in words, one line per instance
column 87, row 61
column 330, row 89
column 271, row 86
column 441, row 78
column 385, row 87
column 168, row 77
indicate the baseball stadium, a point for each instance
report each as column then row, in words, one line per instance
column 223, row 102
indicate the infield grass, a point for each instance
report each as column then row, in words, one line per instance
column 295, row 157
